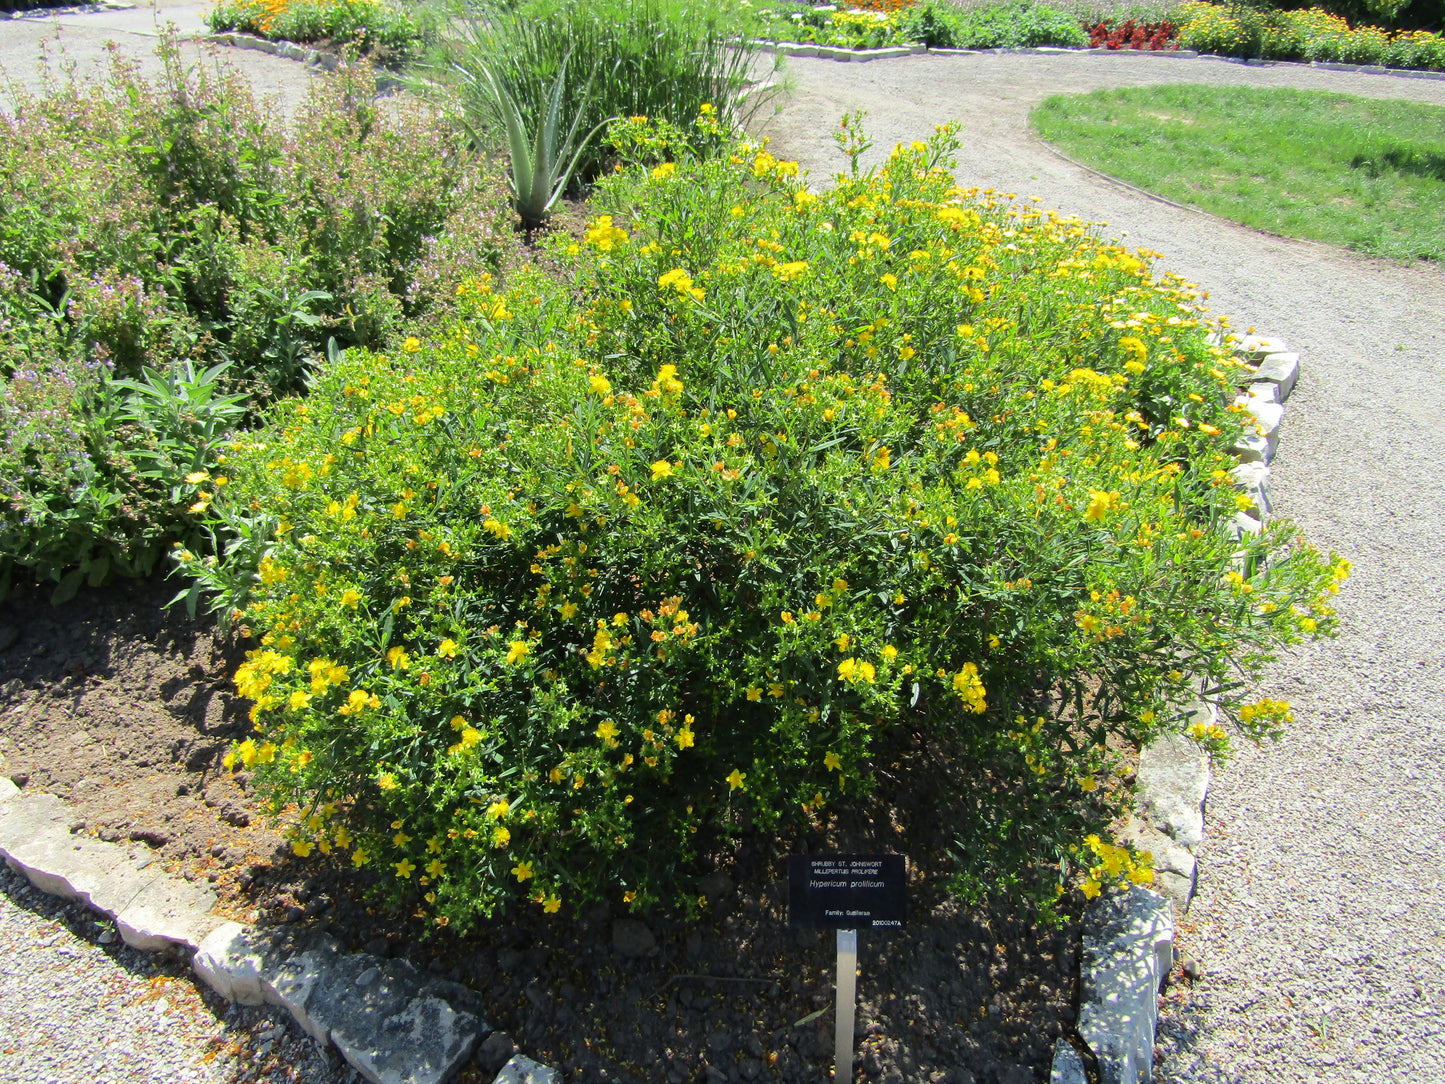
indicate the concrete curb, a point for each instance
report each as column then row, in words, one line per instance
column 391, row 1023
column 1129, row 936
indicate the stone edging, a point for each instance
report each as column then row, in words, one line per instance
column 392, row 1024
column 1129, row 936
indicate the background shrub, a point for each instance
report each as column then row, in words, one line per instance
column 373, row 27
column 770, row 487
column 145, row 228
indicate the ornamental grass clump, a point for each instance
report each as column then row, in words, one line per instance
column 776, row 488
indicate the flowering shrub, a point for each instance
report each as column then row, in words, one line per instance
column 372, row 26
column 154, row 226
column 681, row 544
column 1312, row 34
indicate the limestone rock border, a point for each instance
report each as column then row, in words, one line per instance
column 1129, row 936
column 391, row 1023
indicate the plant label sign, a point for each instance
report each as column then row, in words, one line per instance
column 847, row 891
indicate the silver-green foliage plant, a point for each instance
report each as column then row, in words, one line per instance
column 661, row 59
column 543, row 160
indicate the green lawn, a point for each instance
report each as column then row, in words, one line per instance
column 1363, row 174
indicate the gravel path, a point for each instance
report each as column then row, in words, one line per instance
column 1320, row 911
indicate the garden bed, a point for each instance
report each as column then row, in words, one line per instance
column 124, row 708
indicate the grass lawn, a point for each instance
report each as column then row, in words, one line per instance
column 1364, row 174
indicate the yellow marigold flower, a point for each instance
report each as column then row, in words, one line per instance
column 522, row 871
column 517, row 651
column 736, row 781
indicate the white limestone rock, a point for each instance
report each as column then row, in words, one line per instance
column 523, row 1070
column 1280, row 369
column 1172, row 781
column 1128, row 948
column 1068, row 1066
column 1175, row 868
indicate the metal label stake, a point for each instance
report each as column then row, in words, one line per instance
column 847, row 983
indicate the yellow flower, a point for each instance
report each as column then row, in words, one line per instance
column 552, row 904
column 832, row 762
column 787, row 618
column 436, row 867
column 661, row 469
column 401, row 839
column 412, row 344
column 404, row 868
column 1088, row 784
column 360, row 857
column 500, row 837
column 684, row 738
column 890, row 280
column 1090, row 888
column 522, row 871
column 517, row 651
column 600, row 385
column 607, row 731
column 386, row 781
column 448, row 648
column 664, row 171
column 754, row 693
column 300, row 848
column 398, row 658
column 736, row 780
column 569, row 610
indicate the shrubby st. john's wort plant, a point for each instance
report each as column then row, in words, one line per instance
column 781, row 480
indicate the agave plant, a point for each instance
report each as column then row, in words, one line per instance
column 542, row 163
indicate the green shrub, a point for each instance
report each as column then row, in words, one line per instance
column 154, row 226
column 1019, row 24
column 770, row 486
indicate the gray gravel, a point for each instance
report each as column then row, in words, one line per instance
column 77, row 1006
column 1320, row 916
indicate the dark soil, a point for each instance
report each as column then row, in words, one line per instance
column 124, row 708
